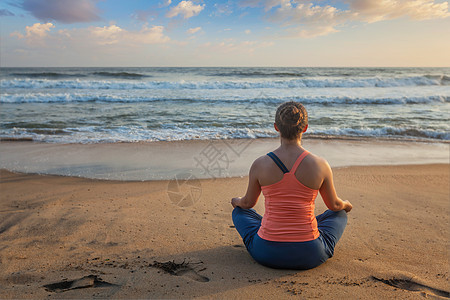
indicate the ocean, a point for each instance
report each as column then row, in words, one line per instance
column 106, row 105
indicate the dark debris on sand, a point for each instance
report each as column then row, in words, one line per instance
column 171, row 267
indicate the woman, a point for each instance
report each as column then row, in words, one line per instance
column 289, row 236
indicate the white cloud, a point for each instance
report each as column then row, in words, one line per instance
column 309, row 20
column 91, row 36
column 106, row 35
column 34, row 33
column 185, row 8
column 113, row 34
column 305, row 19
column 377, row 10
column 309, row 14
column 194, row 30
column 152, row 35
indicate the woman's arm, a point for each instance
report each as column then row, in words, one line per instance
column 328, row 192
column 253, row 190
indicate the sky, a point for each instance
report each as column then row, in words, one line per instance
column 286, row 33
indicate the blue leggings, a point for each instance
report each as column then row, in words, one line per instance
column 290, row 255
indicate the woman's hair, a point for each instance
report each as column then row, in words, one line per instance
column 291, row 119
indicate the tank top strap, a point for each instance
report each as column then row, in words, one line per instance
column 298, row 161
column 278, row 162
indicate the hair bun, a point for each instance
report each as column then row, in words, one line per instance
column 291, row 116
column 291, row 119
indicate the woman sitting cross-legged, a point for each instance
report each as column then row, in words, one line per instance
column 290, row 236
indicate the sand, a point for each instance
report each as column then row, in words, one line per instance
column 68, row 237
column 164, row 160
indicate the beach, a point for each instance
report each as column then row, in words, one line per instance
column 74, row 237
column 116, row 182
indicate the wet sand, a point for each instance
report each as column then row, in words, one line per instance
column 203, row 159
column 67, row 237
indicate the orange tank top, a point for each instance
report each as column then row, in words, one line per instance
column 289, row 215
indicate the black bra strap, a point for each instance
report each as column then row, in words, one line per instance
column 278, row 162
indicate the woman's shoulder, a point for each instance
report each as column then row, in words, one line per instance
column 262, row 161
column 315, row 161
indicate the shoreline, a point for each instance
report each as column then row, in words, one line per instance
column 163, row 160
column 55, row 229
column 307, row 137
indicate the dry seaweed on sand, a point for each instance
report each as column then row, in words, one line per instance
column 172, row 267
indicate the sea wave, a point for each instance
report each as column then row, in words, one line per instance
column 231, row 99
column 90, row 134
column 50, row 75
column 59, row 75
column 27, row 83
column 240, row 73
column 127, row 75
column 387, row 131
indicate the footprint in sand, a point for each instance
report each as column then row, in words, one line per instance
column 81, row 283
column 191, row 273
column 180, row 269
column 411, row 285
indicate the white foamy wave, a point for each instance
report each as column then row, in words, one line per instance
column 373, row 101
column 136, row 134
column 388, row 131
column 233, row 98
column 231, row 84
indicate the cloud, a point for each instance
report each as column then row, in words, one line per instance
column 313, row 31
column 224, row 9
column 248, row 31
column 113, row 34
column 193, row 30
column 309, row 14
column 267, row 4
column 64, row 11
column 107, row 35
column 36, row 31
column 5, row 13
column 148, row 35
column 38, row 35
column 185, row 8
column 307, row 20
column 377, row 10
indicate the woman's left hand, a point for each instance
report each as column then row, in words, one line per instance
column 235, row 201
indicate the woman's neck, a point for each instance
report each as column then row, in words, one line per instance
column 290, row 144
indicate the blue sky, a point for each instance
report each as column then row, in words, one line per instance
column 224, row 33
